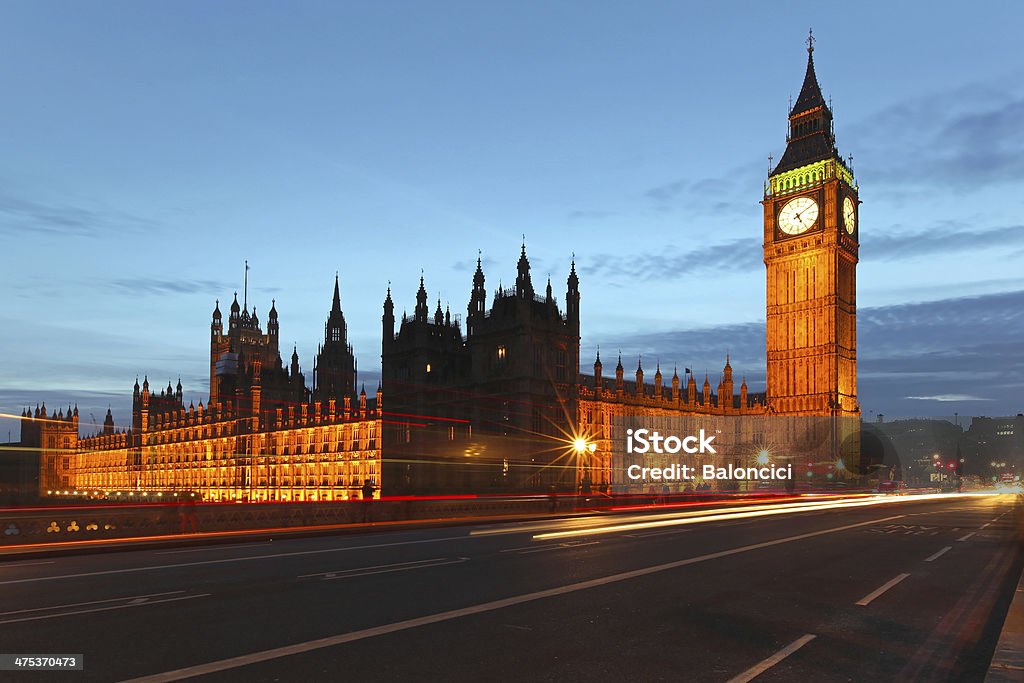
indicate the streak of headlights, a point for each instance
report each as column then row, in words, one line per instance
column 742, row 513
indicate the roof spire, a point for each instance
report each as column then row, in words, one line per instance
column 810, row 93
column 810, row 40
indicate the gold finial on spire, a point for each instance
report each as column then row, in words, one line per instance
column 810, row 40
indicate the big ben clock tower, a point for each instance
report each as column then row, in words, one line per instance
column 811, row 236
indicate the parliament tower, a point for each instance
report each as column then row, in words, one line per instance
column 811, row 242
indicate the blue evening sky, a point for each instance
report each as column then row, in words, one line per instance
column 148, row 148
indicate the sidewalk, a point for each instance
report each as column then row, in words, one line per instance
column 1008, row 659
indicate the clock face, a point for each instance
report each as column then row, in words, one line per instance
column 849, row 215
column 798, row 215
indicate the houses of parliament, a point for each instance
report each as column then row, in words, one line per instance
column 491, row 405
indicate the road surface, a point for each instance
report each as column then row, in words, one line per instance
column 902, row 589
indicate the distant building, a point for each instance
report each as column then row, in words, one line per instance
column 994, row 447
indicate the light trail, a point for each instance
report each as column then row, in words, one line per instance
column 596, row 521
column 743, row 513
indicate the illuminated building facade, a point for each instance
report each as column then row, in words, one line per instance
column 494, row 407
column 263, row 436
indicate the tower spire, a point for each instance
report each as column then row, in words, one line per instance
column 810, row 138
column 810, row 92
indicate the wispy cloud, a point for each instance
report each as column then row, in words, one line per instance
column 672, row 262
column 25, row 215
column 947, row 238
column 593, row 215
column 961, row 139
column 144, row 286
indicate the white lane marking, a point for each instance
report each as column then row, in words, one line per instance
column 144, row 603
column 984, row 525
column 939, row 554
column 227, row 560
column 331, row 641
column 561, row 546
column 874, row 594
column 758, row 669
column 527, row 549
column 91, row 602
column 964, row 538
column 209, row 548
column 338, row 572
column 397, row 569
column 24, row 564
column 665, row 532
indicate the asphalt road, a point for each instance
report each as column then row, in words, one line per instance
column 903, row 590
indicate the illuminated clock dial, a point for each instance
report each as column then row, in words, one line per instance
column 849, row 215
column 798, row 215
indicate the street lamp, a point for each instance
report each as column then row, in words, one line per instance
column 583, row 448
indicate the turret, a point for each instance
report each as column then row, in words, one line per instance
column 217, row 325
column 524, row 285
column 691, row 390
column 477, row 300
column 421, row 303
column 657, row 382
column 675, row 384
column 725, row 398
column 439, row 314
column 572, row 299
column 234, row 319
column 707, row 390
column 597, row 370
column 639, row 378
column 743, row 393
column 273, row 326
column 619, row 372
column 335, row 329
column 388, row 320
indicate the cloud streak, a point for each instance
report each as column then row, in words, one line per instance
column 963, row 139
column 673, row 262
column 149, row 286
column 23, row 215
